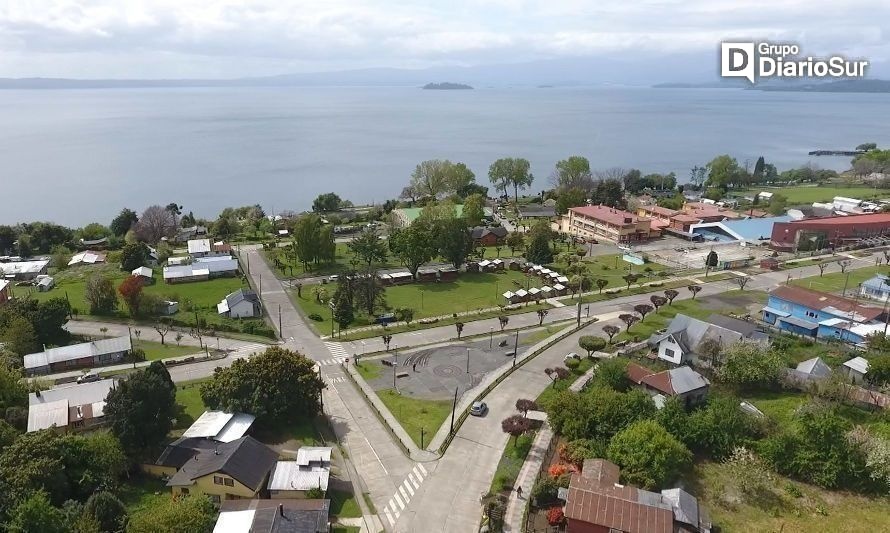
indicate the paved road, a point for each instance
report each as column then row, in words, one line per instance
column 380, row 464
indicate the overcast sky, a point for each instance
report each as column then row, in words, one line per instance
column 230, row 38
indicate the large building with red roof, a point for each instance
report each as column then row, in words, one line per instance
column 828, row 232
column 603, row 222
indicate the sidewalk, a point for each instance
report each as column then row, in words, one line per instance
column 526, row 478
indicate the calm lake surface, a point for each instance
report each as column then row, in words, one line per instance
column 77, row 156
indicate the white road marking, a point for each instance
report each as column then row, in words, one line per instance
column 392, row 521
column 422, row 469
column 413, row 482
column 399, row 501
column 407, row 485
column 404, row 493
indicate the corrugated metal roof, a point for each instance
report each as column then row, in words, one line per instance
column 235, row 428
column 313, row 454
column 288, row 475
column 799, row 322
column 234, row 522
column 859, row 364
column 220, row 426
column 23, row 267
column 199, row 246
column 77, row 351
column 685, row 379
column 143, row 271
column 47, row 415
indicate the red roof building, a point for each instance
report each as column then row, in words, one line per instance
column 599, row 221
column 828, row 232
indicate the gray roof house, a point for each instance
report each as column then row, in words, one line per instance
column 876, row 288
column 245, row 460
column 684, row 336
column 273, row 516
column 240, row 304
column 814, row 368
column 95, row 353
column 77, row 406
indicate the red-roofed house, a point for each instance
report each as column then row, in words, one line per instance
column 596, row 502
column 602, row 222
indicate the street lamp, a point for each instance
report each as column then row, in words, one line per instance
column 490, row 337
column 468, row 359
column 515, row 347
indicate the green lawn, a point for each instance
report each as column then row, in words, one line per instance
column 155, row 350
column 547, row 394
column 200, row 297
column 302, row 433
column 141, row 492
column 611, row 268
column 534, row 338
column 798, row 350
column 834, row 282
column 369, row 370
column 188, row 398
column 414, row 413
column 343, row 505
column 808, row 195
column 618, row 292
column 777, row 510
column 511, row 462
column 345, row 529
column 471, row 291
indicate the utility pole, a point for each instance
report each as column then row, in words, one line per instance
column 453, row 408
column 515, row 347
column 490, row 337
column 421, row 437
column 468, row 360
column 579, row 311
column 280, row 329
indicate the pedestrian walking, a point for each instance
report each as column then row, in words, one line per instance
column 414, row 367
column 519, row 492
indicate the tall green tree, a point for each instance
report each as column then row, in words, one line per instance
column 278, row 386
column 37, row 515
column 573, row 173
column 307, row 239
column 539, row 250
column 648, row 455
column 18, row 336
column 141, row 409
column 454, row 241
column 414, row 246
column 327, row 246
column 474, row 209
column 326, row 202
column 570, row 198
column 192, row 514
column 133, row 256
column 368, row 247
column 107, row 510
column 511, row 172
column 101, row 295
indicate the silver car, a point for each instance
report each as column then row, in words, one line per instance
column 478, row 409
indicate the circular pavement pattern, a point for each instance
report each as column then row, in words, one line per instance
column 445, row 371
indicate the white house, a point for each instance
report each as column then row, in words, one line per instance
column 45, row 283
column 311, row 470
column 240, row 304
column 199, row 247
column 683, row 338
column 876, row 288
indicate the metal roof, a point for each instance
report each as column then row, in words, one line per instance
column 859, row 364
column 23, row 267
column 201, row 267
column 313, row 454
column 143, row 271
column 47, row 415
column 814, row 367
column 77, row 351
column 220, row 426
column 799, row 322
column 234, row 522
column 199, row 246
column 51, row 407
column 685, row 379
column 289, row 475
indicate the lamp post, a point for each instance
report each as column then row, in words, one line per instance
column 515, row 347
column 490, row 337
column 468, row 360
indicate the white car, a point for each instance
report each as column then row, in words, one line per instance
column 571, row 355
column 333, row 277
column 90, row 376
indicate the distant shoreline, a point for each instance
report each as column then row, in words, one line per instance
column 446, row 86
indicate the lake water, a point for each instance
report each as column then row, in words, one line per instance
column 76, row 156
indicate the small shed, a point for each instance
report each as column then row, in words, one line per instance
column 145, row 275
column 485, row 265
column 514, row 265
column 45, row 283
column 168, row 308
column 498, row 264
column 855, row 369
column 521, row 295
column 472, row 266
column 559, row 289
column 562, row 279
column 534, row 293
column 546, row 291
column 427, row 275
column 511, row 297
column 448, row 274
column 398, row 278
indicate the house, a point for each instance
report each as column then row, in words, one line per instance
column 602, row 222
column 273, row 516
column 220, row 426
column 23, row 270
column 683, row 382
column 167, row 308
column 537, row 211
column 684, row 337
column 293, row 479
column 145, row 275
column 88, row 257
column 198, row 247
column 94, row 243
column 202, row 269
column 485, row 236
column 72, row 407
column 876, row 288
column 4, row 291
column 88, row 354
column 597, row 502
column 186, row 234
column 855, row 369
column 45, row 283
column 225, row 471
column 240, row 304
column 818, row 314
column 828, row 232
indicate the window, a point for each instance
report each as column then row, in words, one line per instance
column 228, row 482
column 214, row 498
column 668, row 352
column 217, row 480
column 811, row 314
column 184, row 491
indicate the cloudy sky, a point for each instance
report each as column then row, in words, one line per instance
column 232, row 38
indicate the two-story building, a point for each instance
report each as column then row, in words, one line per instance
column 602, row 222
column 684, row 339
column 819, row 314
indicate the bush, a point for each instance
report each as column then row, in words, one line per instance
column 545, row 491
column 555, row 516
column 572, row 363
column 316, row 317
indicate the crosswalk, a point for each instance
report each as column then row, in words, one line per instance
column 338, row 351
column 248, row 349
column 334, row 381
column 405, row 492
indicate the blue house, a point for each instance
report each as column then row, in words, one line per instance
column 818, row 314
column 876, row 288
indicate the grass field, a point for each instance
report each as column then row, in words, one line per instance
column 343, row 504
column 471, row 291
column 201, row 296
column 188, row 398
column 511, row 463
column 155, row 351
column 779, row 511
column 611, row 268
column 834, row 282
column 140, row 493
column 544, row 398
column 413, row 414
column 288, row 267
column 808, row 195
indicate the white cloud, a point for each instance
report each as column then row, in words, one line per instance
column 131, row 38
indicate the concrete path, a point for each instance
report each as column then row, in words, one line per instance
column 526, row 478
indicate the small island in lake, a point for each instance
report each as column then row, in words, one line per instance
column 446, row 86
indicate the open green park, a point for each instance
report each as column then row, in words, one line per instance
column 822, row 193
column 199, row 297
column 834, row 282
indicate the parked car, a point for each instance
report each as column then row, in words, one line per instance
column 92, row 375
column 478, row 409
column 571, row 355
column 333, row 277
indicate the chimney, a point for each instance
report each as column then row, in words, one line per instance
column 37, row 393
column 281, row 510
